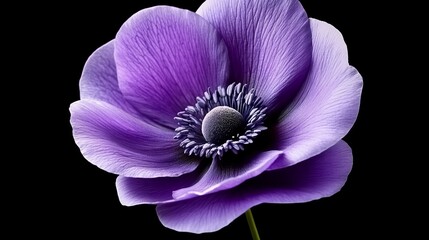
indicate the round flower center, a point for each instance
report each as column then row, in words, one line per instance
column 222, row 120
column 222, row 123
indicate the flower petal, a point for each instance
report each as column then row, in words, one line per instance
column 119, row 143
column 165, row 58
column 269, row 44
column 99, row 80
column 320, row 176
column 223, row 175
column 134, row 191
column 327, row 106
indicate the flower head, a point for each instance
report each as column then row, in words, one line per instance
column 207, row 114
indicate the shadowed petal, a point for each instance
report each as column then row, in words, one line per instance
column 119, row 143
column 328, row 104
column 165, row 58
column 269, row 44
column 320, row 176
column 99, row 80
column 221, row 175
column 134, row 191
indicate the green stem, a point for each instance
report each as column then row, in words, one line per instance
column 252, row 225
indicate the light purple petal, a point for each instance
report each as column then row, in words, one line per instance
column 119, row 143
column 165, row 58
column 320, row 176
column 269, row 44
column 327, row 106
column 224, row 175
column 99, row 80
column 134, row 191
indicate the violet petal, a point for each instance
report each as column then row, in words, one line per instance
column 119, row 143
column 165, row 58
column 99, row 80
column 320, row 176
column 269, row 44
column 327, row 106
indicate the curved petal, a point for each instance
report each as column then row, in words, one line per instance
column 135, row 191
column 99, row 80
column 220, row 176
column 165, row 58
column 320, row 176
column 269, row 44
column 119, row 143
column 327, row 106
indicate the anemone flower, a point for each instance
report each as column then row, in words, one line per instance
column 206, row 114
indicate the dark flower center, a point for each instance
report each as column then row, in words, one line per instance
column 222, row 120
column 222, row 123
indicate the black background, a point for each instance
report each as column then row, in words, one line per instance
column 64, row 195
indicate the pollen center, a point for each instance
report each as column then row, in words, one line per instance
column 222, row 123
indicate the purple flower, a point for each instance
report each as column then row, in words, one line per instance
column 207, row 114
